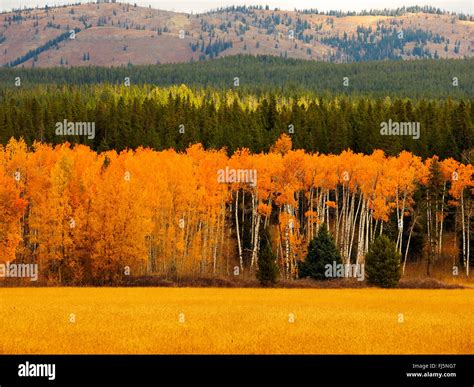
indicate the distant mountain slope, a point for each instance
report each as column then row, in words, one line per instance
column 117, row 34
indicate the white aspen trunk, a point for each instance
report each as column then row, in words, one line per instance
column 257, row 217
column 350, row 222
column 350, row 226
column 428, row 226
column 252, row 231
column 345, row 206
column 320, row 210
column 340, row 226
column 322, row 214
column 360, row 237
column 241, row 261
column 367, row 230
column 464, row 256
column 280, row 241
column 215, row 242
column 222, row 231
column 372, row 237
column 255, row 246
column 400, row 224
column 344, row 225
column 408, row 244
column 347, row 225
column 455, row 239
column 440, row 241
column 353, row 228
column 327, row 211
column 400, row 229
column 371, row 233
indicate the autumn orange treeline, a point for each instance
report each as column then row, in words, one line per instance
column 86, row 217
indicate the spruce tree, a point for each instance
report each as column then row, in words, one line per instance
column 267, row 272
column 382, row 263
column 321, row 251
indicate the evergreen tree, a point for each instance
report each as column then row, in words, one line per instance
column 321, row 252
column 267, row 272
column 383, row 263
column 131, row 117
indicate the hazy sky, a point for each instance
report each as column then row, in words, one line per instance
column 465, row 6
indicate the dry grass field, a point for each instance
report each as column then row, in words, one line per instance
column 262, row 321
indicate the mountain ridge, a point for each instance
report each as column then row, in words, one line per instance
column 108, row 33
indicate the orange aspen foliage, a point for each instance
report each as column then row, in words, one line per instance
column 96, row 218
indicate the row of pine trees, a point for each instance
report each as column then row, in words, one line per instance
column 162, row 118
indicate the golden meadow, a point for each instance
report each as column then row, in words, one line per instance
column 235, row 321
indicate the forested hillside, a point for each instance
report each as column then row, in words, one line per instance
column 174, row 117
column 426, row 78
column 110, row 33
